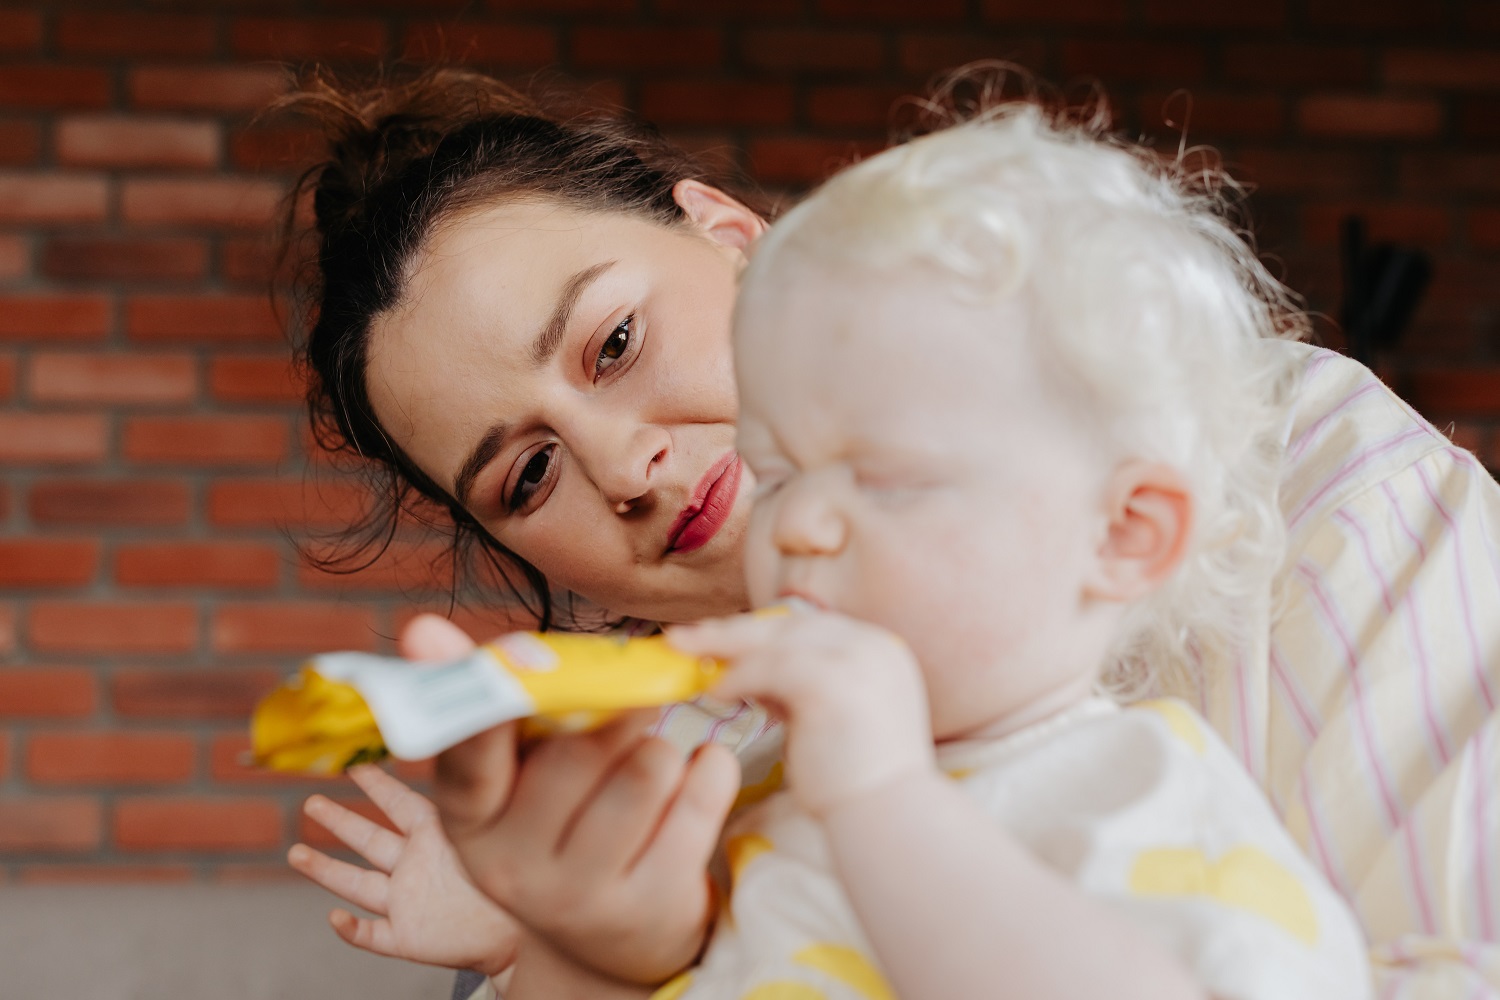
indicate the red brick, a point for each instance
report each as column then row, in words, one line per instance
column 197, row 564
column 1374, row 14
column 47, row 692
column 1368, row 117
column 1294, row 171
column 252, row 261
column 197, row 824
column 5, row 755
column 854, row 106
column 509, row 46
column 7, row 631
column 55, row 317
column 1213, row 114
column 1448, row 174
column 105, row 378
column 15, row 257
column 109, row 758
column 303, row 38
column 211, row 441
column 49, row 562
column 291, row 628
column 714, row 102
column 635, row 49
column 20, row 143
column 118, row 141
column 217, row 319
column 791, row 49
column 270, row 379
column 216, row 88
column 1297, row 64
column 1423, row 225
column 1465, row 392
column 7, row 393
column 1484, row 228
column 894, row 10
column 52, row 825
column 53, row 438
column 230, row 202
column 1216, row 13
column 1169, row 62
column 929, row 53
column 554, row 7
column 104, row 33
column 112, row 628
column 266, row 503
column 263, row 148
column 804, row 160
column 220, row 693
column 95, row 503
column 175, row 259
column 428, row 7
column 20, row 31
column 104, row 874
column 741, row 9
column 1443, row 68
column 404, row 568
column 51, row 88
column 47, row 198
column 1090, row 13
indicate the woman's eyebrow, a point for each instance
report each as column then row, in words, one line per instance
column 542, row 348
column 547, row 341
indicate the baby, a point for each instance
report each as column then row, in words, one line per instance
column 1008, row 392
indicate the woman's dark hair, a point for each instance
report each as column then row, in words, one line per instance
column 404, row 155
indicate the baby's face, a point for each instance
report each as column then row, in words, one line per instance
column 914, row 470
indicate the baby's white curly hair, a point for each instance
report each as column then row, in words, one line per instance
column 1152, row 310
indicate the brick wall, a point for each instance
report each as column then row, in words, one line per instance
column 156, row 467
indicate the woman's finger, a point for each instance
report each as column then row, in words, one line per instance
column 364, row 888
column 622, row 815
column 368, row 839
column 473, row 781
column 430, row 638
column 690, row 830
column 394, row 797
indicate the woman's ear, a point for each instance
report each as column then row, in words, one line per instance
column 723, row 219
column 1149, row 507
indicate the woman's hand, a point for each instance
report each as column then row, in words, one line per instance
column 598, row 843
column 426, row 908
column 851, row 695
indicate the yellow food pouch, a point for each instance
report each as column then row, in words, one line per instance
column 344, row 708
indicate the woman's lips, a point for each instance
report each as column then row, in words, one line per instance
column 712, row 503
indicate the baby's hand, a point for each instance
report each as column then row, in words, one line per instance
column 598, row 843
column 851, row 695
column 426, row 908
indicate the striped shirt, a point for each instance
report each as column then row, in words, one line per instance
column 1366, row 705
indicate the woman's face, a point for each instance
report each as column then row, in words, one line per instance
column 567, row 376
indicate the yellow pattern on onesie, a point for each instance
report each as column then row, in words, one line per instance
column 1144, row 809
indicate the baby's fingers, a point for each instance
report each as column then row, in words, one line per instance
column 404, row 807
column 351, row 883
column 370, row 840
column 376, row 936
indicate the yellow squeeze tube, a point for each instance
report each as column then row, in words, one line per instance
column 344, row 708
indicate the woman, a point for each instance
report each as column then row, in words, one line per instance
column 525, row 321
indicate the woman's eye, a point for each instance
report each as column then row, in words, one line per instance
column 614, row 347
column 533, row 475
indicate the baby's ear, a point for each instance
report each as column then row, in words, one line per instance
column 1149, row 510
column 721, row 218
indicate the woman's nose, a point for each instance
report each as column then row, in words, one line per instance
column 808, row 521
column 626, row 466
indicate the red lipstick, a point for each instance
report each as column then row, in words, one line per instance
column 709, row 509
